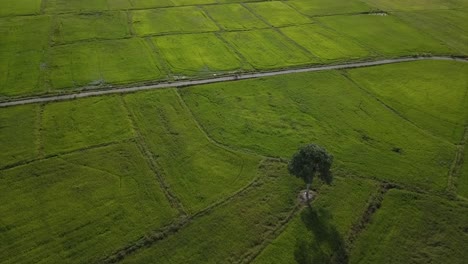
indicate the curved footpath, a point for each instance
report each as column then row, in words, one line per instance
column 179, row 84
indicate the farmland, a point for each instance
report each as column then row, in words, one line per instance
column 198, row 173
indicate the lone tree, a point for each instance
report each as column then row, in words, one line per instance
column 310, row 160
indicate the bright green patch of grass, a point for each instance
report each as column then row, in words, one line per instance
column 197, row 54
column 267, row 49
column 172, row 20
column 193, row 2
column 18, row 134
column 276, row 115
column 83, row 123
column 108, row 25
column 199, row 172
column 19, row 7
column 448, row 26
column 462, row 177
column 329, row 7
column 414, row 228
column 392, row 5
column 278, row 14
column 79, row 208
column 234, row 17
column 432, row 94
column 386, row 35
column 103, row 62
column 232, row 231
column 138, row 4
column 61, row 6
column 318, row 232
column 324, row 43
column 22, row 44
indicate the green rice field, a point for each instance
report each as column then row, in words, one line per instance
column 160, row 131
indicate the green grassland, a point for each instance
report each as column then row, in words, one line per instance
column 386, row 35
column 233, row 230
column 330, row 110
column 329, row 7
column 278, row 14
column 19, row 7
column 432, row 95
column 234, row 17
column 197, row 54
column 103, row 62
column 200, row 172
column 317, row 233
column 172, row 20
column 72, row 27
column 462, row 180
column 77, row 208
column 267, row 49
column 326, row 44
column 393, row 5
column 413, row 228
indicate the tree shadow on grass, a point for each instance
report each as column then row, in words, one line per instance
column 323, row 243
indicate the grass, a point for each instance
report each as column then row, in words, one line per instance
column 199, row 172
column 392, row 5
column 138, row 4
column 20, row 7
column 433, row 95
column 444, row 25
column 329, row 7
column 172, row 20
column 462, row 177
column 18, row 134
column 326, row 44
column 267, row 49
column 73, row 27
column 386, row 35
column 275, row 115
column 233, row 230
column 64, row 6
column 234, row 17
column 197, row 54
column 278, row 14
column 315, row 234
column 78, row 208
column 414, row 228
column 83, row 123
column 104, row 62
column 21, row 50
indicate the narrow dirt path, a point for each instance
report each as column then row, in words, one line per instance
column 180, row 84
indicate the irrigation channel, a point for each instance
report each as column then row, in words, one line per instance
column 180, row 84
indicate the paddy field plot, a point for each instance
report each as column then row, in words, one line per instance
column 399, row 5
column 233, row 230
column 68, row 126
column 78, row 208
column 267, row 49
column 172, row 20
column 138, row 4
column 432, row 95
column 386, row 35
column 20, row 7
column 329, row 7
column 234, row 17
column 316, row 233
column 193, row 2
column 18, row 128
column 69, row 6
column 22, row 46
column 366, row 137
column 326, row 44
column 72, row 27
column 443, row 25
column 102, row 62
column 202, row 54
column 198, row 171
column 277, row 13
column 416, row 228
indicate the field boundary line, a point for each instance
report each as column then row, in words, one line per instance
column 457, row 163
column 227, row 78
column 171, row 197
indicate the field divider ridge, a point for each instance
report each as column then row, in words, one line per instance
column 227, row 78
